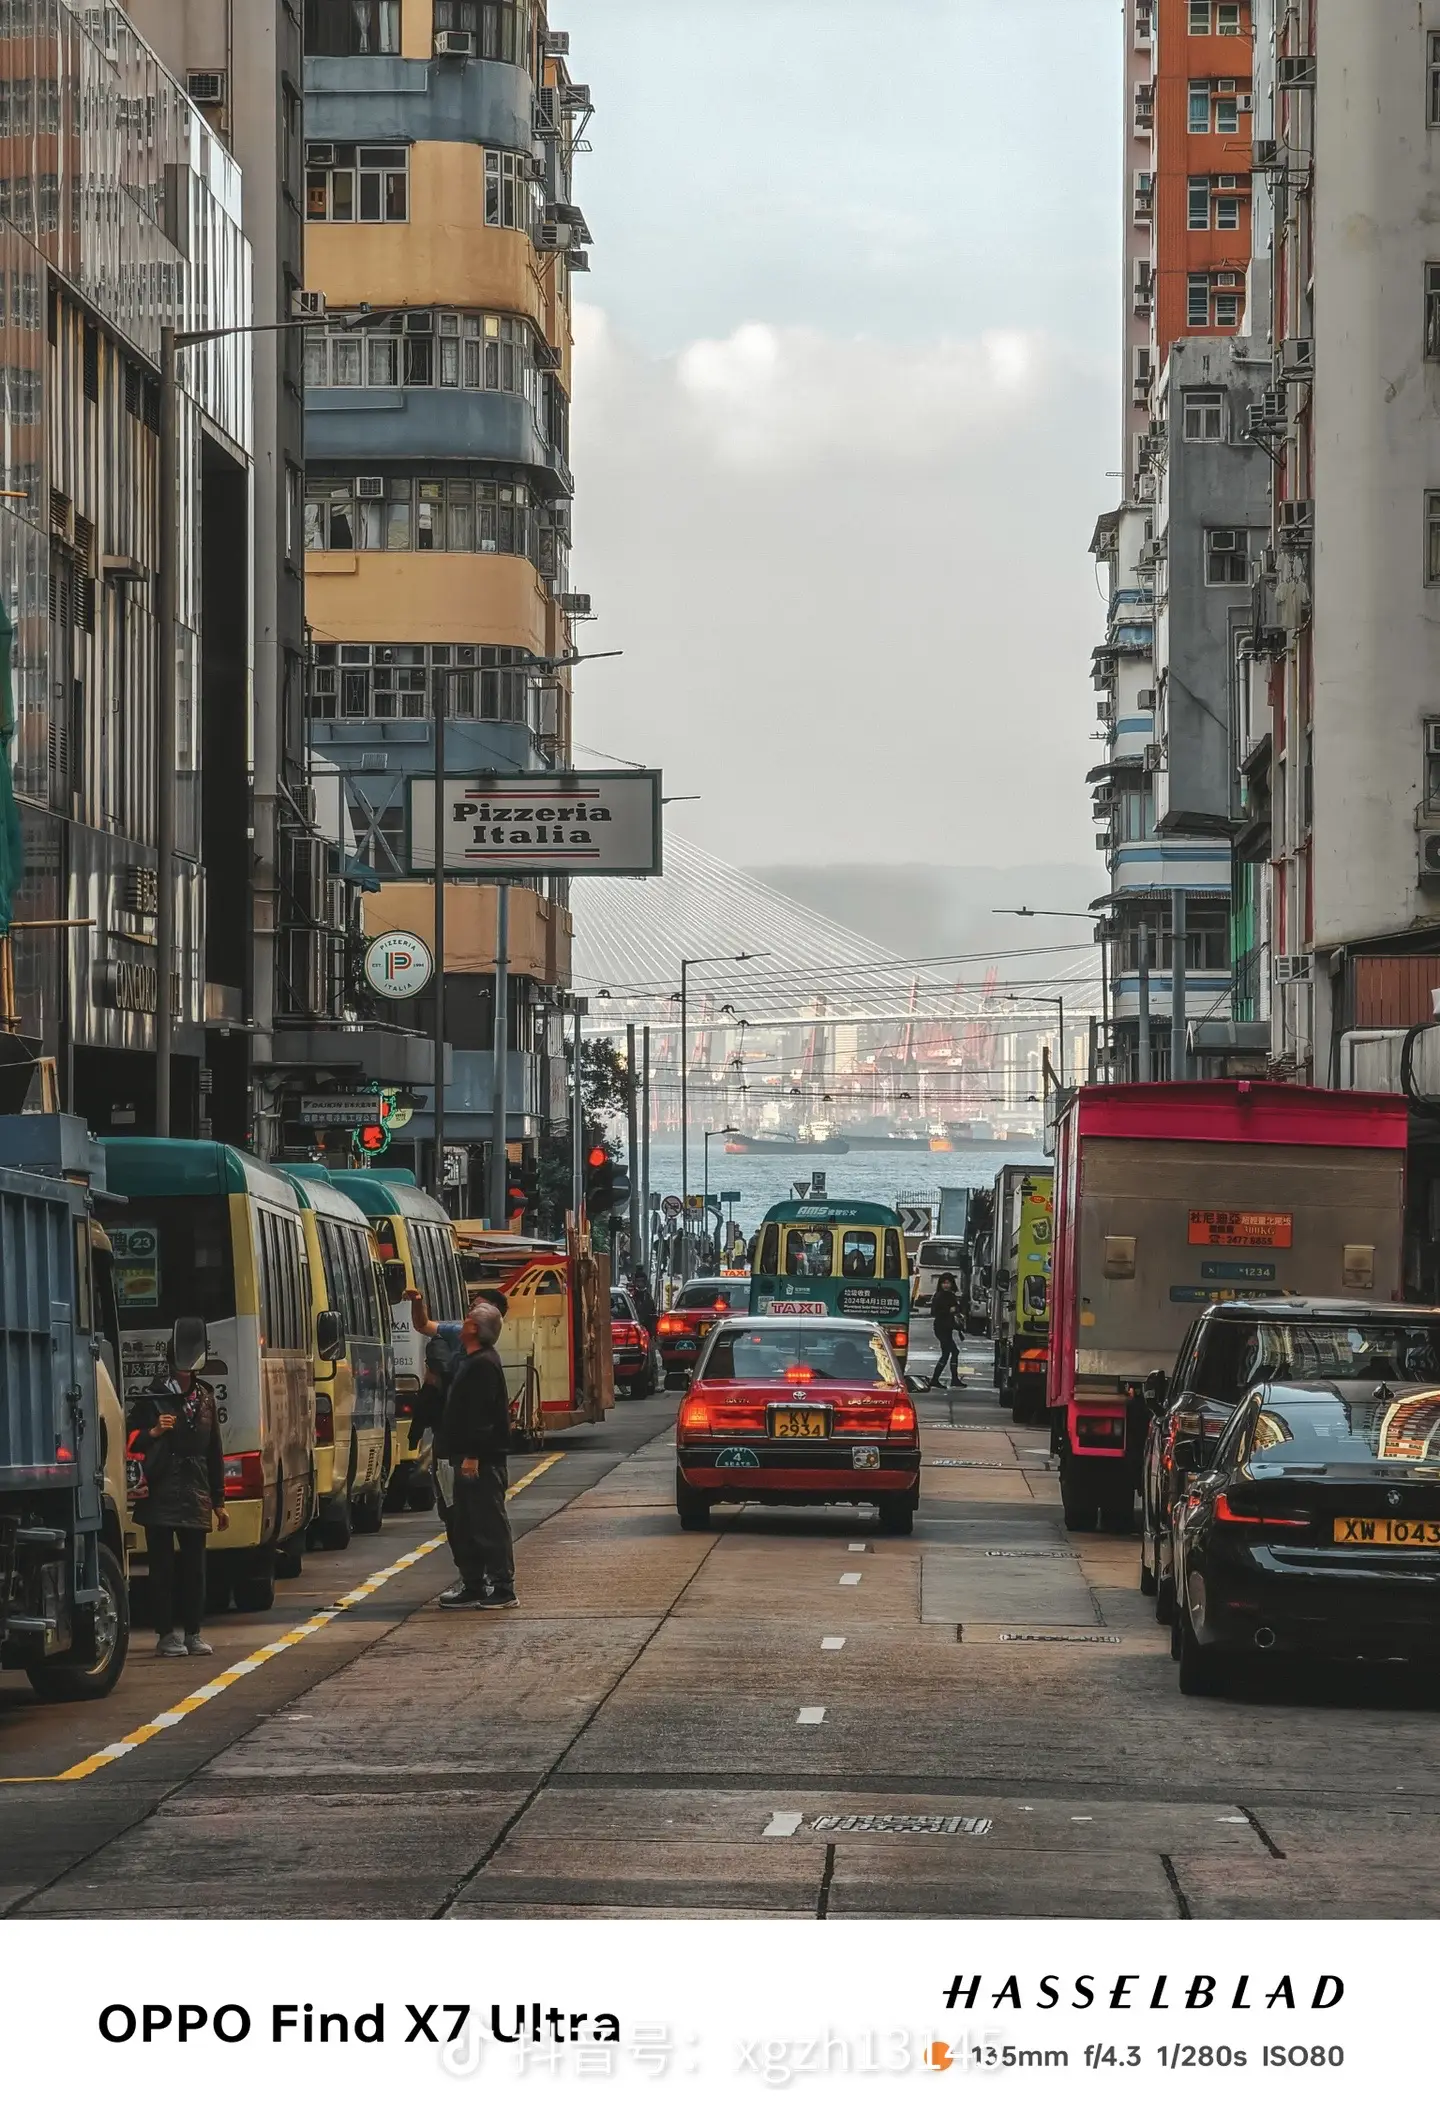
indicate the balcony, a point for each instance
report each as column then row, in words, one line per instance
column 384, row 99
column 427, row 424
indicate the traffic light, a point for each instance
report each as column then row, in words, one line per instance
column 371, row 1137
column 599, row 1182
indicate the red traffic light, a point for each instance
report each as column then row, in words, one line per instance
column 599, row 1157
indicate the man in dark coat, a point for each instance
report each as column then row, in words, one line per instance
column 473, row 1439
column 177, row 1429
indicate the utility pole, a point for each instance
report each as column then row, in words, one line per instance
column 1179, row 1057
column 165, row 725
column 1143, row 1064
column 439, row 707
column 632, row 1117
column 500, row 1066
column 645, row 1149
column 577, row 1121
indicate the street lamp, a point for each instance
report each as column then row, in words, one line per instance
column 166, row 602
column 728, row 1131
column 1059, row 1003
column 718, row 959
column 1083, row 915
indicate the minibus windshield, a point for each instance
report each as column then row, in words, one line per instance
column 172, row 1257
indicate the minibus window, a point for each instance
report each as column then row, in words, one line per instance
column 770, row 1251
column 809, row 1251
column 360, row 1320
column 172, row 1257
column 894, row 1254
column 857, row 1255
column 337, row 1279
column 385, row 1235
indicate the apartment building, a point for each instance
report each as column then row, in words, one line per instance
column 441, row 142
column 120, row 211
column 1177, row 549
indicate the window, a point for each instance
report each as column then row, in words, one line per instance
column 858, row 1255
column 826, row 1350
column 1197, row 299
column 808, row 1252
column 500, row 28
column 350, row 29
column 1227, row 114
column 1432, row 767
column 510, row 193
column 1199, row 194
column 894, row 1259
column 1227, row 19
column 1432, row 313
column 1199, row 18
column 375, row 514
column 1227, row 310
column 1135, row 815
column 1433, row 110
column 1227, row 210
column 1199, row 107
column 1204, row 417
column 450, row 349
column 1227, row 557
column 1432, row 537
column 362, row 682
column 344, row 182
column 294, row 489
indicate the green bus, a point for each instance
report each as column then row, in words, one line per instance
column 833, row 1258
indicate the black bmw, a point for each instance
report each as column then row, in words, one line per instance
column 1313, row 1531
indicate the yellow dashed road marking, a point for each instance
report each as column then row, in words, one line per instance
column 238, row 1670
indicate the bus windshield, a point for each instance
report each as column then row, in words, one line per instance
column 172, row 1257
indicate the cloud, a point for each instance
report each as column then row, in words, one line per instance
column 851, row 583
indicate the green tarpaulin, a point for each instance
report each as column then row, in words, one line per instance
column 12, row 852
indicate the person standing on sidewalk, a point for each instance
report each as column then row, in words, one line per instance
column 177, row 1428
column 473, row 1441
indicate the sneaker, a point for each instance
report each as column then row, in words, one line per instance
column 194, row 1644
column 171, row 1643
column 499, row 1598
column 463, row 1598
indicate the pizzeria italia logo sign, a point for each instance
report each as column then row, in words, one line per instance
column 606, row 825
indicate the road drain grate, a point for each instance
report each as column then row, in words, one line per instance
column 935, row 1826
column 1060, row 1638
column 1031, row 1554
column 940, row 1462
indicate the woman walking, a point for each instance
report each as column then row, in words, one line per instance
column 177, row 1429
column 946, row 1317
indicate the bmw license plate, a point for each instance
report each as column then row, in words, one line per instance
column 1403, row 1535
column 794, row 1423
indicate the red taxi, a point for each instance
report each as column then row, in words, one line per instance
column 632, row 1355
column 810, row 1412
column 682, row 1329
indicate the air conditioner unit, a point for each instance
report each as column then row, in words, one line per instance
column 576, row 604
column 1245, row 103
column 1297, row 522
column 1290, row 967
column 205, row 87
column 454, row 44
column 545, row 356
column 1228, row 280
column 1430, row 859
column 578, row 261
column 1225, row 88
column 1227, row 184
column 1432, row 738
column 1264, row 154
column 574, row 95
column 550, row 236
column 1102, row 841
column 369, row 487
column 545, row 111
column 307, row 302
column 1145, row 701
column 557, row 44
column 1149, row 558
column 539, row 168
column 1297, row 72
column 1154, row 759
column 1297, row 359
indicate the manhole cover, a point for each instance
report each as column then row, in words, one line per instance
column 1060, row 1638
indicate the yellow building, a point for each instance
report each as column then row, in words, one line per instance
column 440, row 141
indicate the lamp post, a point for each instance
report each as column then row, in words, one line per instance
column 172, row 343
column 718, row 959
column 728, row 1131
column 1082, row 915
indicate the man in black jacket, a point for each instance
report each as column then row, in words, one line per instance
column 473, row 1438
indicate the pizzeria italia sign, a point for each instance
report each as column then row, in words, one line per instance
column 600, row 826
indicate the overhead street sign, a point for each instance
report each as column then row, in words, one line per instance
column 915, row 1221
column 341, row 1110
column 605, row 825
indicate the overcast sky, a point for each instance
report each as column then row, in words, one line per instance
column 846, row 400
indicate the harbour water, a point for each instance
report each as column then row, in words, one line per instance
column 885, row 1177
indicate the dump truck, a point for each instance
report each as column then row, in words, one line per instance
column 1170, row 1197
column 64, row 1614
column 1023, row 1227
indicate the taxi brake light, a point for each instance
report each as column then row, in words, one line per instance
column 694, row 1419
column 902, row 1418
column 668, row 1325
column 799, row 1373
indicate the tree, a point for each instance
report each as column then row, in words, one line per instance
column 604, row 1100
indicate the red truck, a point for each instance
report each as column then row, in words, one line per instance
column 1169, row 1197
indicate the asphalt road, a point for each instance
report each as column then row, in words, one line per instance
column 790, row 1716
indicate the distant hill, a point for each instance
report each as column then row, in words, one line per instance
column 925, row 909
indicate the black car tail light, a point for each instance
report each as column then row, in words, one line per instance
column 1250, row 1513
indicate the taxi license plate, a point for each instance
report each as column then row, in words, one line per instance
column 799, row 1424
column 1406, row 1535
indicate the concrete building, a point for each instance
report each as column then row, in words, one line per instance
column 441, row 140
column 110, row 227
column 1177, row 548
